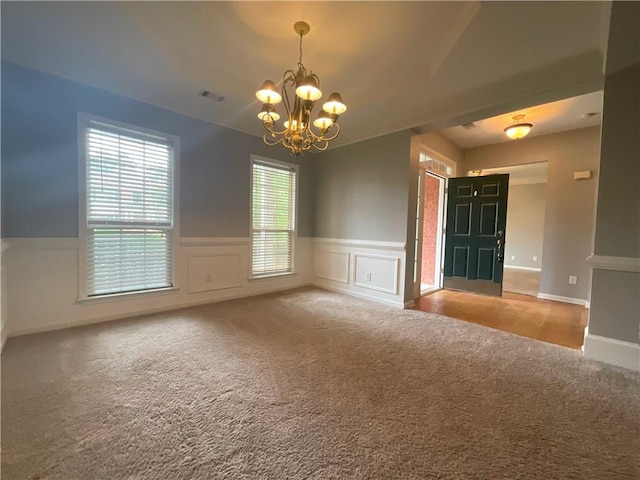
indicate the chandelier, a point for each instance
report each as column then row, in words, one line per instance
column 518, row 130
column 297, row 134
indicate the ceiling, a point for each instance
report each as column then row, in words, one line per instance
column 567, row 114
column 398, row 65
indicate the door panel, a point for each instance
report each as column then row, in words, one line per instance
column 475, row 233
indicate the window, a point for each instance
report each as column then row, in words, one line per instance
column 128, row 215
column 436, row 166
column 273, row 206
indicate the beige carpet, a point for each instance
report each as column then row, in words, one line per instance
column 310, row 385
column 521, row 281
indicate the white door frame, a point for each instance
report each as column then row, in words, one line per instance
column 422, row 171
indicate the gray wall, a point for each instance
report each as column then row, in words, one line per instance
column 570, row 205
column 525, row 225
column 40, row 159
column 362, row 190
column 615, row 295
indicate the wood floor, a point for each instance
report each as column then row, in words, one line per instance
column 553, row 322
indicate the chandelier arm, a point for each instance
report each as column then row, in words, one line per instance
column 289, row 77
column 323, row 137
column 264, row 139
column 272, row 131
column 321, row 148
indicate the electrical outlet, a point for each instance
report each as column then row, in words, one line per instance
column 535, row 258
column 573, row 280
column 368, row 276
column 513, row 257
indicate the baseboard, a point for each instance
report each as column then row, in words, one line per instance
column 558, row 298
column 364, row 296
column 528, row 269
column 147, row 311
column 614, row 352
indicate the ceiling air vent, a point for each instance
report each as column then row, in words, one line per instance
column 469, row 125
column 211, row 95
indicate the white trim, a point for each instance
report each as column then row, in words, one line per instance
column 396, row 260
column 146, row 311
column 253, row 159
column 410, row 304
column 614, row 352
column 618, row 264
column 528, row 269
column 41, row 243
column 558, row 298
column 213, row 241
column 116, row 297
column 83, row 122
column 4, row 245
column 364, row 296
column 394, row 246
column 347, row 265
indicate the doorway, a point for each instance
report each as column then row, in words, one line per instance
column 433, row 188
column 431, row 205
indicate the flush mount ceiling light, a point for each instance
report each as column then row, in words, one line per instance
column 296, row 133
column 518, row 130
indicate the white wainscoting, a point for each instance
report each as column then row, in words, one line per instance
column 42, row 281
column 363, row 268
column 610, row 350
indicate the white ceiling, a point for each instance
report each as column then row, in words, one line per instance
column 567, row 114
column 398, row 65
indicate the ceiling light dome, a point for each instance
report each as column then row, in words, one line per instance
column 518, row 130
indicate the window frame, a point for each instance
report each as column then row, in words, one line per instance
column 276, row 163
column 84, row 121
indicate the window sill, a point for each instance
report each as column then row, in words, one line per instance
column 118, row 297
column 273, row 276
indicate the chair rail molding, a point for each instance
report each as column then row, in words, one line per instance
column 618, row 264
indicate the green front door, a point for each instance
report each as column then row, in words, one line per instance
column 475, row 234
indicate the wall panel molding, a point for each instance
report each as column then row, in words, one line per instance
column 362, row 268
column 332, row 265
column 618, row 264
column 379, row 263
column 353, row 243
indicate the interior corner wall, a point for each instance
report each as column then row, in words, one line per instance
column 40, row 197
column 570, row 204
column 525, row 225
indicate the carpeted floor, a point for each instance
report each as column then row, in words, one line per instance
column 525, row 282
column 310, row 384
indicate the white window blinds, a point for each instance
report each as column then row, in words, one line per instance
column 273, row 218
column 129, row 210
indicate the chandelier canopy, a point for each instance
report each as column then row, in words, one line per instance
column 300, row 91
